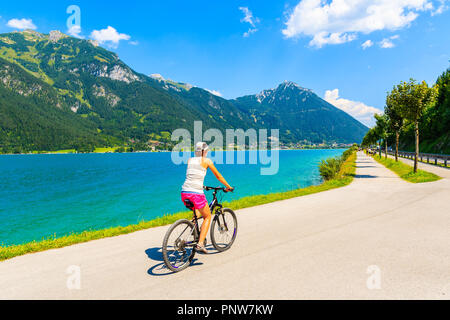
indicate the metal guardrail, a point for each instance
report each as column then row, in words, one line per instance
column 428, row 156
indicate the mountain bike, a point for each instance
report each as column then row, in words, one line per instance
column 180, row 240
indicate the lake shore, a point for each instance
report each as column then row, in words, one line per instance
column 345, row 178
column 158, row 151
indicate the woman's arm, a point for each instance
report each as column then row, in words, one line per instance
column 217, row 174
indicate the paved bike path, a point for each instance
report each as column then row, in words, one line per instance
column 380, row 229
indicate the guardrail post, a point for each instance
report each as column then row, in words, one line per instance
column 435, row 160
column 445, row 162
column 428, row 159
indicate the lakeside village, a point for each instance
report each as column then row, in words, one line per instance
column 167, row 146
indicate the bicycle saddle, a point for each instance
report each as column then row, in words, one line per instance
column 189, row 204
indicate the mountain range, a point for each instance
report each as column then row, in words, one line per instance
column 59, row 92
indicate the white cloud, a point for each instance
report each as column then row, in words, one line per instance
column 249, row 32
column 387, row 43
column 109, row 36
column 442, row 6
column 75, row 31
column 249, row 18
column 323, row 38
column 339, row 21
column 356, row 109
column 21, row 24
column 367, row 44
column 214, row 92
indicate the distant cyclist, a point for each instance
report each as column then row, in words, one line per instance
column 192, row 188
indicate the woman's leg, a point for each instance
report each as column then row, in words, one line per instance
column 206, row 213
column 198, row 214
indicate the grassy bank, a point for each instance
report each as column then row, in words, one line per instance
column 406, row 172
column 344, row 178
column 97, row 150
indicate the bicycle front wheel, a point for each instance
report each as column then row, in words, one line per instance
column 178, row 247
column 224, row 230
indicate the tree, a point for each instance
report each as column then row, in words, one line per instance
column 370, row 138
column 382, row 130
column 443, row 101
column 412, row 98
column 436, row 122
column 395, row 121
column 85, row 148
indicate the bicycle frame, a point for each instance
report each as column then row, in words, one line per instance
column 184, row 247
column 213, row 208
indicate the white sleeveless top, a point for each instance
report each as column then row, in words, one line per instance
column 195, row 176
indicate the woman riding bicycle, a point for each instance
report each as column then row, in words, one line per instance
column 192, row 188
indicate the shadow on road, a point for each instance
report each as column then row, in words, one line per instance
column 155, row 254
column 160, row 268
column 365, row 176
column 365, row 166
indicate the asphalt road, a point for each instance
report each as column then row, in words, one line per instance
column 378, row 238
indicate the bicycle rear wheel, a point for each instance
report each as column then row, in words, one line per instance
column 224, row 230
column 178, row 247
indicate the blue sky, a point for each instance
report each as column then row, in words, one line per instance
column 242, row 47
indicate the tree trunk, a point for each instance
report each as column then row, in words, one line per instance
column 416, row 156
column 385, row 149
column 379, row 148
column 397, row 134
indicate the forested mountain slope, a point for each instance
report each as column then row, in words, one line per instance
column 59, row 92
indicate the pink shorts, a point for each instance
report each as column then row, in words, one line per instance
column 198, row 199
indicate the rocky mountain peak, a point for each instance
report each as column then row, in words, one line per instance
column 56, row 35
column 291, row 85
column 157, row 76
column 284, row 91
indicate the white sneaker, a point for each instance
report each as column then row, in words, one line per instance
column 201, row 249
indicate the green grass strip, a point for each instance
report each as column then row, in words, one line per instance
column 406, row 172
column 345, row 178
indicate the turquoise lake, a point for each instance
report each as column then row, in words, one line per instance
column 45, row 195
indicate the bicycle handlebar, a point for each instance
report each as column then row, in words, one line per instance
column 218, row 188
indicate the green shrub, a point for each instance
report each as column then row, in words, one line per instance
column 347, row 153
column 329, row 169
